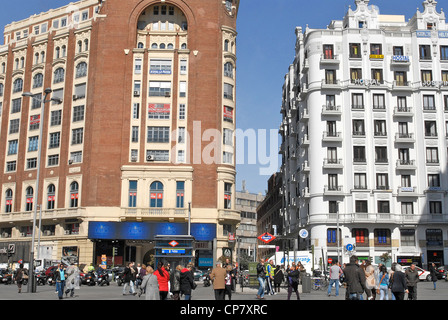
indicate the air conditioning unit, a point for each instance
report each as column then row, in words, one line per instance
column 149, row 158
column 47, row 233
column 66, row 231
column 5, row 235
column 167, row 94
column 134, row 159
column 75, row 97
column 136, row 93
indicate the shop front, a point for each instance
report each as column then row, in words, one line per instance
column 150, row 242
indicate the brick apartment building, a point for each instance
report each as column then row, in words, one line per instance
column 144, row 84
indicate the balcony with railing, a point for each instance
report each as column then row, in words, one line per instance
column 330, row 136
column 404, row 137
column 153, row 213
column 330, row 110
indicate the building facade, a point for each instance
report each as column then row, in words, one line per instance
column 365, row 126
column 247, row 233
column 146, row 87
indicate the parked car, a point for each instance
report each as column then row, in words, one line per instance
column 422, row 273
column 198, row 275
column 441, row 273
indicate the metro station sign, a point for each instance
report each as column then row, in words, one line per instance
column 266, row 237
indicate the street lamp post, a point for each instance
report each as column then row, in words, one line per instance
column 48, row 91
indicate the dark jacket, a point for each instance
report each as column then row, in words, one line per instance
column 175, row 281
column 278, row 276
column 57, row 275
column 293, row 277
column 260, row 271
column 398, row 281
column 355, row 278
column 411, row 277
column 186, row 281
column 130, row 274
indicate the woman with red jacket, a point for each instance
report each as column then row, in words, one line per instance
column 163, row 278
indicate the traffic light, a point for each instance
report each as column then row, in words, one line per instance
column 115, row 251
column 10, row 253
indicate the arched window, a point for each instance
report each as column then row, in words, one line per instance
column 154, row 46
column 59, row 75
column 63, row 51
column 79, row 46
column 42, row 57
column 58, row 52
column 81, row 70
column 29, row 199
column 2, row 88
column 8, row 201
column 162, row 46
column 17, row 86
column 226, row 45
column 86, row 45
column 140, row 45
column 38, row 80
column 183, row 46
column 51, row 196
column 170, row 46
column 3, row 67
column 156, row 195
column 74, row 194
column 228, row 70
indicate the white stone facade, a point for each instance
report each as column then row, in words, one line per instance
column 365, row 129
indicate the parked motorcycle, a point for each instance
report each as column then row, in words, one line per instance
column 206, row 279
column 88, row 278
column 41, row 278
column 103, row 279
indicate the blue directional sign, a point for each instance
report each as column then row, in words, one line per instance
column 349, row 247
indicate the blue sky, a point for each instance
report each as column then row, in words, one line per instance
column 265, row 49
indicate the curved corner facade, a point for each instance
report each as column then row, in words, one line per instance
column 144, row 136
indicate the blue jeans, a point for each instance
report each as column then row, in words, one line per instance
column 356, row 296
column 60, row 288
column 336, row 283
column 261, row 281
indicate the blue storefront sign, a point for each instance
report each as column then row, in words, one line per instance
column 103, row 230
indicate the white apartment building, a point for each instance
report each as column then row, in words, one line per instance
column 365, row 137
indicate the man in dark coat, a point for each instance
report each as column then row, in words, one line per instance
column 187, row 283
column 355, row 279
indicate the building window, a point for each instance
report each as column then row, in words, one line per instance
column 332, row 238
column 77, row 136
column 361, row 237
column 383, row 207
column 407, row 208
column 38, row 80
column 31, row 163
column 228, row 114
column 59, row 75
column 14, row 126
column 382, row 237
column 76, row 157
column 158, row 155
column 360, row 181
column 357, row 101
column 355, row 50
column 355, row 75
column 435, row 207
column 78, row 113
column 228, row 70
column 359, row 154
column 379, row 101
column 134, row 134
column 11, row 166
column 33, row 143
column 182, row 111
column 74, row 194
column 425, row 52
column 51, row 197
column 400, row 78
column 432, row 155
column 159, row 89
column 382, row 181
column 160, row 66
column 444, row 53
column 180, row 194
column 434, row 238
column 16, row 105
column 53, row 160
column 380, row 128
column 361, row 206
column 56, row 118
column 430, row 129
column 159, row 111
column 156, row 195
column 17, row 86
column 55, row 139
column 81, row 70
column 376, row 49
column 228, row 91
column 227, row 195
column 227, row 157
column 132, row 194
column 158, row 135
column 13, row 147
column 328, row 51
column 29, row 199
column 2, row 89
column 407, row 237
column 381, row 155
column 8, row 201
column 429, row 102
column 433, row 181
column 377, row 75
column 330, row 77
